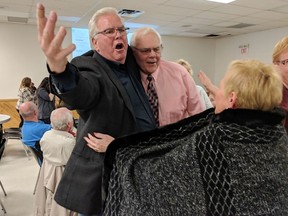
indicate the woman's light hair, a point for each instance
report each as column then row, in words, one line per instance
column 185, row 64
column 93, row 29
column 279, row 48
column 257, row 85
column 60, row 118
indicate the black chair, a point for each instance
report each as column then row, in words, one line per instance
column 15, row 133
column 38, row 155
column 2, row 144
column 2, row 205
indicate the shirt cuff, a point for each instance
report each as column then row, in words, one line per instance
column 65, row 81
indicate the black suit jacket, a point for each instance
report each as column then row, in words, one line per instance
column 104, row 106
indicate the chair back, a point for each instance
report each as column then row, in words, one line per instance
column 2, row 146
column 37, row 155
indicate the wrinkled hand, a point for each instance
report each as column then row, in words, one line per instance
column 50, row 43
column 206, row 82
column 99, row 142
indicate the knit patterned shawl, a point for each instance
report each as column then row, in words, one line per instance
column 233, row 163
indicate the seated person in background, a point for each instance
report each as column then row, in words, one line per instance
column 228, row 161
column 202, row 92
column 32, row 129
column 57, row 145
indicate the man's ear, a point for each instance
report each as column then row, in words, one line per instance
column 94, row 44
column 232, row 99
column 70, row 126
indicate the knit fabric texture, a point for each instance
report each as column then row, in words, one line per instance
column 234, row 163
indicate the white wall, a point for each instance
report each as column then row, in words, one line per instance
column 20, row 54
column 261, row 45
column 199, row 52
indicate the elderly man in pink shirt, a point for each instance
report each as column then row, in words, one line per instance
column 178, row 97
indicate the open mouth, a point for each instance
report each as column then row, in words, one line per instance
column 119, row 46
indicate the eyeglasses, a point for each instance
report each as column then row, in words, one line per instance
column 111, row 32
column 283, row 62
column 147, row 51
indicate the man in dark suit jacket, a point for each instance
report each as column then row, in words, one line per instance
column 104, row 86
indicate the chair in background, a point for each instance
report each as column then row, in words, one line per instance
column 3, row 142
column 2, row 146
column 39, row 158
column 15, row 133
column 2, row 205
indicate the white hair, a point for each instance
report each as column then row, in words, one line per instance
column 60, row 118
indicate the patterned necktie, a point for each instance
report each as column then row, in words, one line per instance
column 153, row 98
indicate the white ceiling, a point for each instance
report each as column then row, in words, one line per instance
column 195, row 18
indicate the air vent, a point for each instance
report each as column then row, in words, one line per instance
column 17, row 19
column 212, row 36
column 129, row 13
column 241, row 25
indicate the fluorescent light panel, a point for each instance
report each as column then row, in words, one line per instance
column 222, row 1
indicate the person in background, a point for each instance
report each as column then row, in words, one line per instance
column 280, row 59
column 103, row 85
column 33, row 88
column 26, row 93
column 208, row 85
column 57, row 145
column 178, row 97
column 32, row 129
column 231, row 160
column 202, row 92
column 45, row 101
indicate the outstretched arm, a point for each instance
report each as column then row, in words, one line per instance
column 51, row 43
column 206, row 82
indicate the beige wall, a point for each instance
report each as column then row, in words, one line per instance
column 261, row 45
column 20, row 54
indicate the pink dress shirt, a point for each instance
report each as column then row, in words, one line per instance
column 177, row 93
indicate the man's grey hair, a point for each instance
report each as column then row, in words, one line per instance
column 29, row 110
column 93, row 29
column 60, row 118
column 141, row 32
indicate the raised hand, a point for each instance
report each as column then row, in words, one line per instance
column 206, row 82
column 51, row 43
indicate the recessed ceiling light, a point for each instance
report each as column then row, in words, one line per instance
column 222, row 1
